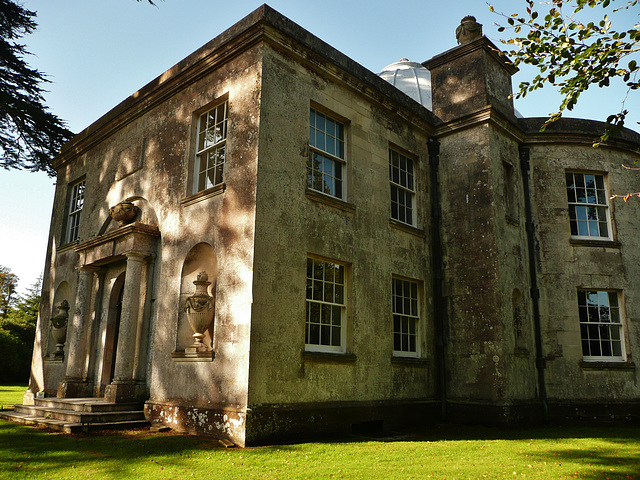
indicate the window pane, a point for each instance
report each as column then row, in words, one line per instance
column 210, row 154
column 325, row 303
column 600, row 329
column 405, row 316
column 587, row 198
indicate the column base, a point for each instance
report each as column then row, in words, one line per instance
column 75, row 388
column 125, row 391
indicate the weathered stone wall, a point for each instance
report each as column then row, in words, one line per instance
column 485, row 260
column 149, row 159
column 468, row 78
column 292, row 223
column 566, row 266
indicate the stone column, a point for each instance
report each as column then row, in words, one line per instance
column 123, row 386
column 74, row 384
column 93, row 330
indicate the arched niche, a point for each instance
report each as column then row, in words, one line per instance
column 62, row 292
column 146, row 215
column 201, row 258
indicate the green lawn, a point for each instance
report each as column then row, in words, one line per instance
column 11, row 395
column 437, row 453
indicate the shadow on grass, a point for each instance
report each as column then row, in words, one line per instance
column 609, row 459
column 47, row 452
column 591, row 453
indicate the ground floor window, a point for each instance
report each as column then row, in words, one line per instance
column 325, row 314
column 406, row 317
column 600, row 325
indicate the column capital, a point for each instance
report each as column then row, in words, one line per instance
column 137, row 255
column 88, row 269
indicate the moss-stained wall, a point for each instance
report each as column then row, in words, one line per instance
column 490, row 351
column 150, row 160
column 566, row 266
column 292, row 223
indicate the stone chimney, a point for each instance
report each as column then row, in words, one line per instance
column 471, row 76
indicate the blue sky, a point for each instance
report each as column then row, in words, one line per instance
column 98, row 52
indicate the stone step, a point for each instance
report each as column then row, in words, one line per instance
column 69, row 427
column 86, row 404
column 75, row 416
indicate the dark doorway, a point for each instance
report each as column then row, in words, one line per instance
column 111, row 335
column 115, row 334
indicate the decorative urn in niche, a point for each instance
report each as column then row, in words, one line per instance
column 123, row 212
column 59, row 328
column 199, row 308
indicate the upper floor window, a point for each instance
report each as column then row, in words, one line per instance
column 76, row 202
column 325, row 322
column 600, row 325
column 406, row 318
column 326, row 163
column 588, row 207
column 403, row 192
column 211, row 147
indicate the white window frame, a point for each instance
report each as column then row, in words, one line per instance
column 585, row 203
column 406, row 321
column 326, row 294
column 326, row 165
column 402, row 187
column 211, row 143
column 600, row 315
column 74, row 216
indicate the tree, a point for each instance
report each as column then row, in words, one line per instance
column 8, row 284
column 17, row 333
column 30, row 135
column 574, row 55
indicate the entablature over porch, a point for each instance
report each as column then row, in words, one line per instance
column 114, row 245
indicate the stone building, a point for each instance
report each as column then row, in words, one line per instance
column 376, row 256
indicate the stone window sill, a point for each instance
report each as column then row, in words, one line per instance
column 584, row 242
column 204, row 195
column 413, row 361
column 331, row 201
column 193, row 357
column 607, row 365
column 407, row 228
column 326, row 357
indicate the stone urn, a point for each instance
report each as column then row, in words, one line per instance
column 199, row 308
column 123, row 212
column 59, row 328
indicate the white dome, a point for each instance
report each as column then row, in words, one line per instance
column 411, row 78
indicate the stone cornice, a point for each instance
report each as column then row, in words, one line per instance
column 131, row 229
column 264, row 24
column 546, row 138
column 485, row 115
column 482, row 43
column 159, row 90
column 314, row 53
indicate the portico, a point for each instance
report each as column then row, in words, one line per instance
column 102, row 360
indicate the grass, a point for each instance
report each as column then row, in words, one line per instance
column 11, row 395
column 437, row 453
